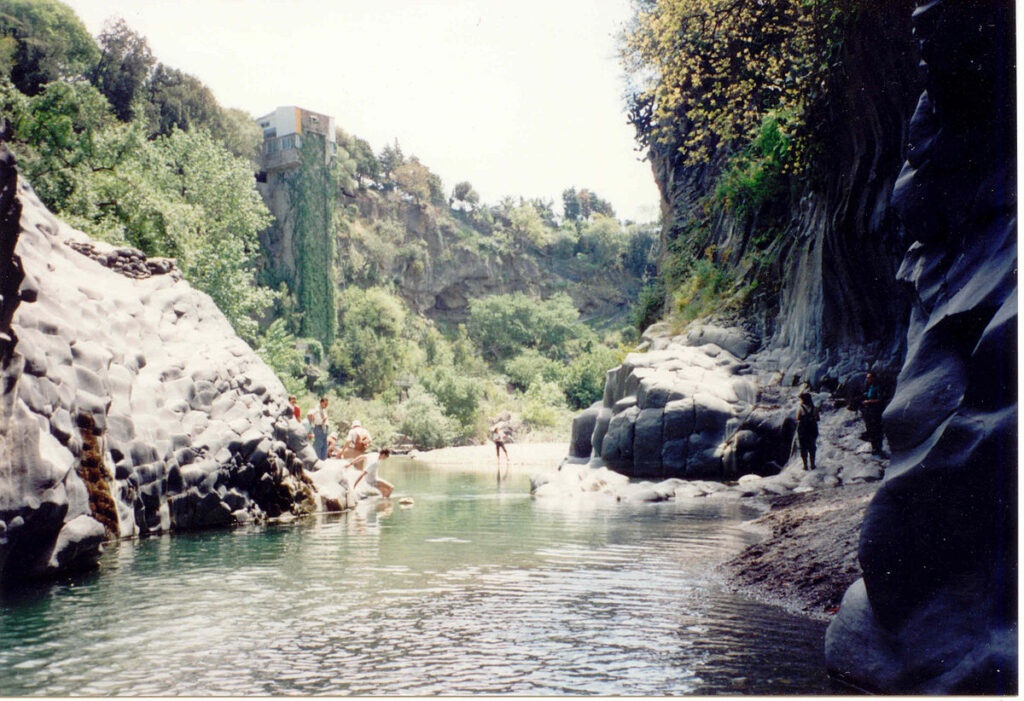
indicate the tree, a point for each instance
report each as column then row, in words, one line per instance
column 391, row 158
column 464, row 193
column 44, row 41
column 181, row 100
column 124, row 67
column 583, row 381
column 368, row 354
column 503, row 325
column 602, row 239
column 571, row 204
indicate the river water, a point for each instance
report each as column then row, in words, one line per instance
column 474, row 589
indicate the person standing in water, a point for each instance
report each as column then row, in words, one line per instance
column 499, row 437
column 807, row 428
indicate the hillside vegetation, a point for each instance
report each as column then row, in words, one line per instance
column 421, row 311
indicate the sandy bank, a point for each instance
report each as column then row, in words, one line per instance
column 524, row 456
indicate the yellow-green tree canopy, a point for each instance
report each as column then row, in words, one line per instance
column 708, row 72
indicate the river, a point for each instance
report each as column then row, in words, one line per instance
column 476, row 588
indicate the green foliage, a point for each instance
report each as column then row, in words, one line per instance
column 124, row 67
column 583, row 380
column 312, row 193
column 416, row 179
column 756, row 175
column 44, row 41
column 708, row 288
column 502, row 325
column 529, row 367
column 720, row 66
column 545, row 404
column 464, row 194
column 582, row 204
column 649, row 305
column 602, row 239
column 277, row 348
column 458, row 394
column 369, row 353
column 390, row 158
column 179, row 100
column 424, row 421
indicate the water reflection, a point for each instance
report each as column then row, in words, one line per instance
column 476, row 588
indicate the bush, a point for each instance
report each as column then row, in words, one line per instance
column 529, row 367
column 423, row 420
column 544, row 406
column 583, row 382
column 458, row 394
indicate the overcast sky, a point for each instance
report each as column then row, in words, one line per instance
column 519, row 97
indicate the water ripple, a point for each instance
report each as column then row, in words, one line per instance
column 470, row 592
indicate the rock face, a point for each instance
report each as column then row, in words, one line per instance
column 936, row 610
column 833, row 298
column 129, row 404
column 684, row 408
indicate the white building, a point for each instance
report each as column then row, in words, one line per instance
column 283, row 132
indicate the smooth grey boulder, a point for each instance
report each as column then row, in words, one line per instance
column 617, row 445
column 141, row 374
column 582, row 430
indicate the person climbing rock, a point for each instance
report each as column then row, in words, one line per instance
column 871, row 409
column 807, row 429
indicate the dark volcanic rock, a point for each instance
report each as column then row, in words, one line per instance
column 936, row 611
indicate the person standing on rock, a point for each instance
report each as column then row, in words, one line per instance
column 871, row 410
column 807, row 429
column 321, row 424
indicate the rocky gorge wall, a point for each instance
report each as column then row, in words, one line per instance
column 936, row 610
column 834, row 301
column 129, row 405
column 908, row 268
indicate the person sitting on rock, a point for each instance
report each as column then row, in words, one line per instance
column 332, row 446
column 807, row 429
column 373, row 479
column 357, row 442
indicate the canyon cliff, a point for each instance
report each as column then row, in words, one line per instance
column 898, row 257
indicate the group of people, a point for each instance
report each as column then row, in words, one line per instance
column 354, row 448
column 871, row 406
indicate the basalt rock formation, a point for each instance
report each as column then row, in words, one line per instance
column 936, row 610
column 129, row 405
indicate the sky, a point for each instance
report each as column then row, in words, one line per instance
column 521, row 98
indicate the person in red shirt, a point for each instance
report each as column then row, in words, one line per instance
column 294, row 404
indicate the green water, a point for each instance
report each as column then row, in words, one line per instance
column 475, row 589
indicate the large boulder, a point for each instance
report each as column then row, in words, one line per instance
column 129, row 405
